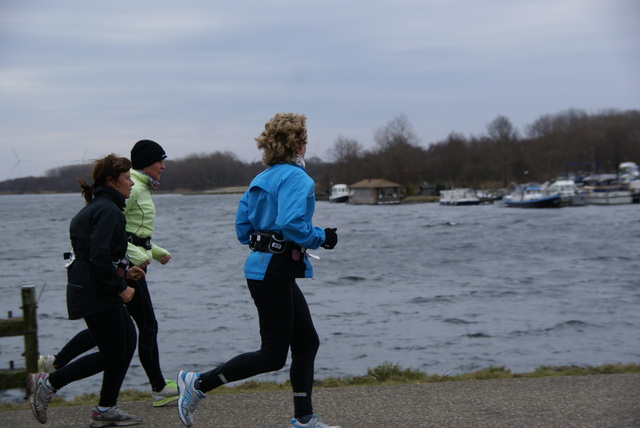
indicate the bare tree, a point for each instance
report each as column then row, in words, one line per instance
column 398, row 132
column 504, row 137
column 345, row 149
column 456, row 154
column 490, row 160
column 399, row 157
column 346, row 155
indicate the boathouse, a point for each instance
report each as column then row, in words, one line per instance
column 374, row 191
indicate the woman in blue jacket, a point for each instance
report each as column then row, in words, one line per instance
column 274, row 219
column 97, row 292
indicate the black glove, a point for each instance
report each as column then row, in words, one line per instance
column 331, row 238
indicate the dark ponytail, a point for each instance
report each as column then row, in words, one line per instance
column 110, row 166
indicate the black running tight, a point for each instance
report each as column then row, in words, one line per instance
column 285, row 322
column 141, row 309
column 113, row 332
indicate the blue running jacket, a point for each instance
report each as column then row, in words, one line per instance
column 280, row 199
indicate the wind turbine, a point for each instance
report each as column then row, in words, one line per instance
column 18, row 162
column 84, row 157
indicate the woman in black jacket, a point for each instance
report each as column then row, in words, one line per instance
column 97, row 291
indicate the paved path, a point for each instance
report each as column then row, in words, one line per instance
column 596, row 401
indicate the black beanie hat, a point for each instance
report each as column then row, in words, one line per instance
column 145, row 153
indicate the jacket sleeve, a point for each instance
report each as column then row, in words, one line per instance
column 158, row 252
column 296, row 202
column 136, row 254
column 243, row 225
column 107, row 226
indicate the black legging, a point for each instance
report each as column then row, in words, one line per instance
column 115, row 335
column 285, row 321
column 141, row 309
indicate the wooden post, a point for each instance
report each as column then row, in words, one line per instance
column 29, row 306
column 26, row 326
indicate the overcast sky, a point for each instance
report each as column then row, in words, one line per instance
column 80, row 79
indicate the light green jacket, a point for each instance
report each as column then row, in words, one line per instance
column 141, row 215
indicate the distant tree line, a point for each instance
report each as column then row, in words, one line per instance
column 554, row 144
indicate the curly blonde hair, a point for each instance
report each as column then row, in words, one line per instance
column 282, row 137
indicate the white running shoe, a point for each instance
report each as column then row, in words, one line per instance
column 169, row 394
column 313, row 423
column 113, row 417
column 39, row 395
column 46, row 364
column 188, row 396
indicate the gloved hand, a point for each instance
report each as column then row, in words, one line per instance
column 331, row 238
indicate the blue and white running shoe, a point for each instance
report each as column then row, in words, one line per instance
column 313, row 423
column 188, row 396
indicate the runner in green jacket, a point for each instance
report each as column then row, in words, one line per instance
column 147, row 158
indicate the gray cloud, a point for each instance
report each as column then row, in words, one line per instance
column 201, row 76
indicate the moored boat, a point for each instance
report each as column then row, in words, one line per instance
column 570, row 194
column 614, row 194
column 606, row 189
column 459, row 197
column 339, row 193
column 531, row 196
column 634, row 187
column 630, row 173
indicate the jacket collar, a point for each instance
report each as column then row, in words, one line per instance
column 112, row 194
column 146, row 179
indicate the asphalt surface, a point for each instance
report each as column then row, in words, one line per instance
column 595, row 401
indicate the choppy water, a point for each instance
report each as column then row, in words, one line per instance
column 437, row 288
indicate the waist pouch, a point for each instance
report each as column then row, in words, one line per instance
column 268, row 242
column 122, row 265
column 74, row 255
column 138, row 241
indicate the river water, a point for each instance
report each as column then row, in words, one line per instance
column 442, row 289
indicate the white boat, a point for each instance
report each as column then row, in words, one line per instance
column 339, row 193
column 570, row 194
column 634, row 187
column 459, row 197
column 630, row 173
column 606, row 189
column 616, row 194
column 531, row 196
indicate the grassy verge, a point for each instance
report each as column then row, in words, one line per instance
column 384, row 374
column 420, row 199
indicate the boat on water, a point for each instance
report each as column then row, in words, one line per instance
column 339, row 193
column 634, row 187
column 490, row 196
column 630, row 173
column 570, row 194
column 459, row 197
column 531, row 196
column 621, row 187
column 606, row 189
column 613, row 194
